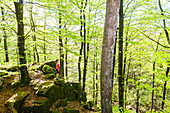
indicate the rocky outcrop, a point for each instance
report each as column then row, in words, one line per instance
column 66, row 110
column 42, row 106
column 16, row 101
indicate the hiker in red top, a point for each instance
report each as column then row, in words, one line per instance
column 57, row 69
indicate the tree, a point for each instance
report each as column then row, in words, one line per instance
column 21, row 42
column 120, row 64
column 112, row 10
column 5, row 37
column 61, row 44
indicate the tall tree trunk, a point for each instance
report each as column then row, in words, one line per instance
column 84, row 44
column 164, row 89
column 120, row 64
column 127, row 77
column 44, row 46
column 81, row 35
column 61, row 47
column 153, row 79
column 66, row 59
column 36, row 55
column 114, row 58
column 112, row 11
column 5, row 36
column 21, row 42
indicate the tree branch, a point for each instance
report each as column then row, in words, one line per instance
column 10, row 8
column 164, row 24
column 154, row 40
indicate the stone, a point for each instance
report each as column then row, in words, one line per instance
column 47, row 69
column 42, row 106
column 59, row 82
column 50, row 63
column 66, row 110
column 69, row 92
column 16, row 101
column 50, row 90
column 50, row 76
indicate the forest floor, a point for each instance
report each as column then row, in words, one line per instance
column 7, row 92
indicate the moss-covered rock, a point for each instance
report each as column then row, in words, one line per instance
column 16, row 101
column 82, row 96
column 13, row 68
column 50, row 90
column 69, row 92
column 59, row 82
column 3, row 73
column 38, row 107
column 50, row 63
column 47, row 69
column 66, row 110
column 50, row 76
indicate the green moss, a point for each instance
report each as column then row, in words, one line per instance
column 50, row 63
column 66, row 110
column 47, row 69
column 69, row 92
column 50, row 76
column 39, row 107
column 59, row 82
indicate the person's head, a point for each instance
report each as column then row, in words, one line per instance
column 57, row 61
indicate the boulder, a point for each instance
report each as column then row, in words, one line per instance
column 47, row 69
column 82, row 96
column 50, row 63
column 50, row 90
column 66, row 110
column 59, row 82
column 42, row 106
column 69, row 92
column 16, row 101
column 50, row 76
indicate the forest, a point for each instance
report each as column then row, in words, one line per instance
column 114, row 56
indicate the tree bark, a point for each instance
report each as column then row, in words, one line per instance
column 81, row 35
column 66, row 58
column 85, row 56
column 164, row 90
column 112, row 11
column 61, row 48
column 21, row 42
column 36, row 55
column 120, row 64
column 5, row 37
column 44, row 46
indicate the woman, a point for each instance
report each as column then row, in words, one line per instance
column 57, row 69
